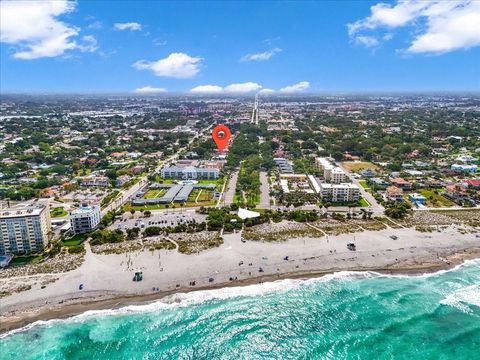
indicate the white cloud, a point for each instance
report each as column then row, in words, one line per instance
column 35, row 31
column 242, row 87
column 159, row 42
column 266, row 91
column 149, row 90
column 441, row 26
column 260, row 56
column 95, row 25
column 177, row 65
column 367, row 41
column 133, row 26
column 387, row 36
column 207, row 89
column 89, row 45
column 298, row 87
column 237, row 88
column 248, row 87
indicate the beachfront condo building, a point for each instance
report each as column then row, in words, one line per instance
column 345, row 192
column 24, row 229
column 85, row 219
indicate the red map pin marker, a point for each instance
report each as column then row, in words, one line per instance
column 221, row 135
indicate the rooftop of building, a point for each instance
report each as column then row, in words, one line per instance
column 13, row 212
column 85, row 209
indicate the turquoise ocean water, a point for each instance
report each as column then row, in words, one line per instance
column 346, row 315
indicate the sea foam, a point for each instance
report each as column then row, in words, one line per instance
column 463, row 298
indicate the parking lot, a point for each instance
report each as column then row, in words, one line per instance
column 159, row 218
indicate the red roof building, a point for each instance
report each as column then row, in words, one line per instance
column 474, row 183
column 401, row 183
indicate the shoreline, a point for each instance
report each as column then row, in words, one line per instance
column 64, row 310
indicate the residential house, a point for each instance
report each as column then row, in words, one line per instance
column 368, row 173
column 401, row 183
column 122, row 180
column 394, row 193
column 457, row 193
column 137, row 169
column 378, row 183
column 464, row 168
column 350, row 157
column 473, row 183
column 417, row 199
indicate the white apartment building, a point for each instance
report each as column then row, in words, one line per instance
column 24, row 230
column 331, row 174
column 189, row 173
column 85, row 219
column 344, row 192
column 336, row 175
column 95, row 181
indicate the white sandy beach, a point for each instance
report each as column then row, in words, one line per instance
column 109, row 276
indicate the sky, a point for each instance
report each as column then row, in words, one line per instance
column 150, row 47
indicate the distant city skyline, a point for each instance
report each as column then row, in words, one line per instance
column 149, row 47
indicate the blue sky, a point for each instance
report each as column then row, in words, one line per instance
column 155, row 46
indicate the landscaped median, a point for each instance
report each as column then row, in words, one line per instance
column 108, row 199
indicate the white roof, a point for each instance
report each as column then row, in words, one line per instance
column 247, row 214
column 284, row 185
column 314, row 183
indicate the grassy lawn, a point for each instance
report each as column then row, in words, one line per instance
column 204, row 198
column 74, row 241
column 218, row 182
column 252, row 198
column 354, row 166
column 363, row 202
column 237, row 197
column 28, row 259
column 154, row 193
column 200, row 195
column 436, row 200
column 166, row 181
column 58, row 212
column 202, row 203
column 364, row 184
column 129, row 206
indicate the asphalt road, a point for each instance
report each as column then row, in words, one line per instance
column 231, row 186
column 264, row 191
